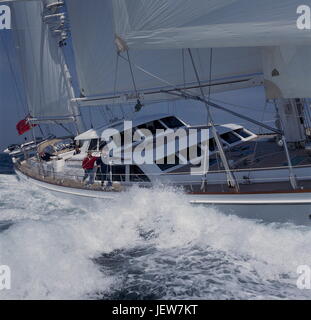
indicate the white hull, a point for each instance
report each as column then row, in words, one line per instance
column 66, row 190
column 274, row 207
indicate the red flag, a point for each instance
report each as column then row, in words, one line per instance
column 23, row 126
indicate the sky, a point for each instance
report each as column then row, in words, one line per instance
column 13, row 106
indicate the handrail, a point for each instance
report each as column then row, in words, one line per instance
column 45, row 173
column 222, row 171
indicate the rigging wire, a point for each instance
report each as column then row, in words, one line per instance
column 138, row 105
column 183, row 66
column 208, row 120
column 66, row 129
column 90, row 116
column 257, row 140
column 41, row 130
column 149, row 73
column 210, row 74
column 132, row 73
column 232, row 182
column 115, row 85
column 208, row 99
column 175, row 86
column 240, row 106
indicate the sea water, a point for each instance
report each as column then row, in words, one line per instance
column 148, row 244
column 6, row 165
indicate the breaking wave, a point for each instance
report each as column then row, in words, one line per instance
column 149, row 244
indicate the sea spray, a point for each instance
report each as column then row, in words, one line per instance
column 147, row 244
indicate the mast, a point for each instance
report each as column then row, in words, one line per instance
column 230, row 176
column 291, row 121
column 79, row 124
column 52, row 11
column 292, row 177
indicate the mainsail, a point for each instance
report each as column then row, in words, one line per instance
column 208, row 23
column 246, row 36
column 102, row 73
column 138, row 49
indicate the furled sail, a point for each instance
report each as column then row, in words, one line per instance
column 102, row 73
column 41, row 61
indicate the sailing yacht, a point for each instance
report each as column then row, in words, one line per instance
column 137, row 54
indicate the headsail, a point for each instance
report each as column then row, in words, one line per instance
column 41, row 61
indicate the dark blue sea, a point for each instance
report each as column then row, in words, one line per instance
column 6, row 165
column 150, row 244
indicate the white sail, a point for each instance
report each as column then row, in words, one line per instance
column 208, row 23
column 41, row 62
column 95, row 49
column 287, row 71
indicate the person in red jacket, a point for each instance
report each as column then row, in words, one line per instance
column 88, row 166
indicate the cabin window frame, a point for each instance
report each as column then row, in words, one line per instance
column 183, row 125
column 249, row 133
column 232, row 143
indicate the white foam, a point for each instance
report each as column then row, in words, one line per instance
column 50, row 249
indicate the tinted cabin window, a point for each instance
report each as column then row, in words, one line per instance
column 93, row 145
column 137, row 175
column 102, row 144
column 212, row 162
column 159, row 125
column 230, row 138
column 212, row 144
column 212, row 147
column 152, row 126
column 242, row 133
column 172, row 122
